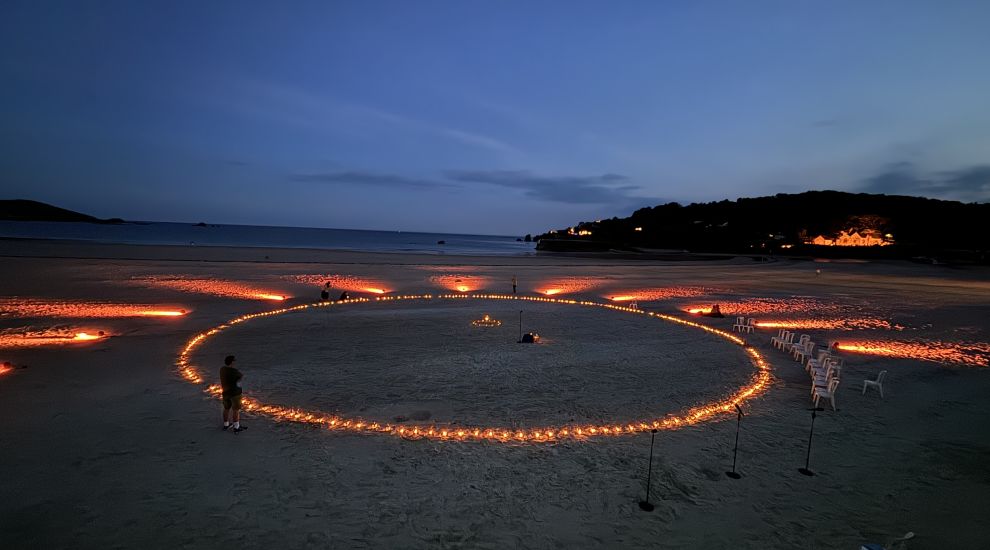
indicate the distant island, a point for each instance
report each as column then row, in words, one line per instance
column 814, row 223
column 34, row 211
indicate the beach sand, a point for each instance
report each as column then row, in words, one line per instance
column 105, row 445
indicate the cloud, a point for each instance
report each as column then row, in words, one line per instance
column 370, row 179
column 316, row 110
column 613, row 190
column 478, row 140
column 897, row 179
column 603, row 189
column 975, row 180
column 970, row 184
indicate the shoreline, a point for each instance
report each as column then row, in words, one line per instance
column 11, row 247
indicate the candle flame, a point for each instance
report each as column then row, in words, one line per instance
column 570, row 285
column 43, row 307
column 659, row 293
column 757, row 385
column 961, row 353
column 163, row 313
column 460, row 282
column 14, row 338
column 214, row 287
column 340, row 282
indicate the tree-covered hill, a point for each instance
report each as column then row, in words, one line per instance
column 784, row 222
column 26, row 210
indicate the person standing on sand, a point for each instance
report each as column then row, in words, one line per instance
column 325, row 293
column 230, row 385
column 513, row 284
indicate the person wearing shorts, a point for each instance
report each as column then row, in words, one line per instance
column 230, row 386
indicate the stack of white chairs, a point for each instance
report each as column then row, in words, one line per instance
column 802, row 354
column 797, row 345
column 827, row 392
column 818, row 361
column 825, row 378
column 784, row 338
column 739, row 325
column 821, row 377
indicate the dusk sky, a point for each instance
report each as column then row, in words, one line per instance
column 484, row 117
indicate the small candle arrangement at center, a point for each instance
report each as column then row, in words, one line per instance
column 486, row 321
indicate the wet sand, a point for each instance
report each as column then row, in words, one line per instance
column 106, row 446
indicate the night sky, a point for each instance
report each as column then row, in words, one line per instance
column 484, row 117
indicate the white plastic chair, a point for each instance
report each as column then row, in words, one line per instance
column 797, row 345
column 785, row 338
column 878, row 383
column 817, row 362
column 739, row 324
column 802, row 354
column 827, row 393
column 821, row 379
column 750, row 325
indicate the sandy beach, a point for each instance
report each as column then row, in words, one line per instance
column 106, row 445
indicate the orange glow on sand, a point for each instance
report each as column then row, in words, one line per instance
column 829, row 324
column 5, row 367
column 342, row 282
column 976, row 354
column 163, row 313
column 37, row 307
column 460, row 282
column 725, row 407
column 214, row 287
column 655, row 294
column 48, row 337
column 569, row 285
column 486, row 321
column 808, row 312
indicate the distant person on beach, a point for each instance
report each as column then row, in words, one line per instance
column 344, row 296
column 715, row 312
column 325, row 293
column 230, row 385
column 513, row 284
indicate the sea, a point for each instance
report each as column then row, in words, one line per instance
column 170, row 233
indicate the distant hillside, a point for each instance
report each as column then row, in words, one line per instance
column 910, row 226
column 24, row 210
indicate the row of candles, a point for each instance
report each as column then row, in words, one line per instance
column 759, row 383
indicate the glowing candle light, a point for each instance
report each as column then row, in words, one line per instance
column 757, row 385
column 163, row 313
column 47, row 337
column 44, row 307
column 214, row 287
column 486, row 321
column 960, row 353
